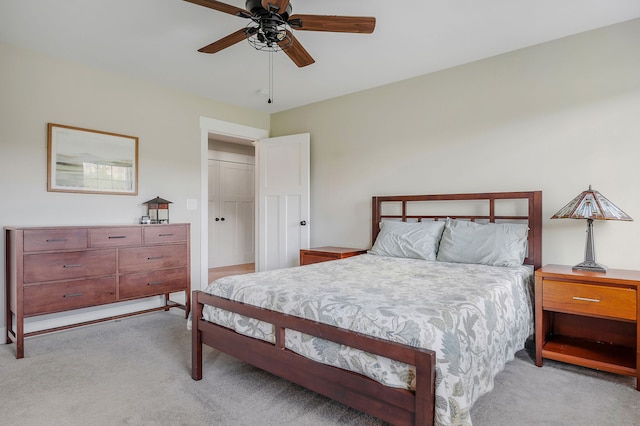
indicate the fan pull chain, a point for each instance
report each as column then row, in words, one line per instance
column 270, row 77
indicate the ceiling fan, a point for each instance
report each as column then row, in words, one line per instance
column 270, row 23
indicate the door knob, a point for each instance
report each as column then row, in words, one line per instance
column 303, row 223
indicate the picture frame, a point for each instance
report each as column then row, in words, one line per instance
column 91, row 161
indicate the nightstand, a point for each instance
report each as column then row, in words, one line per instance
column 589, row 318
column 323, row 254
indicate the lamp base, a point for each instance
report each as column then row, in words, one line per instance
column 590, row 266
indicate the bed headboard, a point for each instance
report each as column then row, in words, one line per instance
column 520, row 207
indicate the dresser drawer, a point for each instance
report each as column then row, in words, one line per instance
column 68, row 265
column 159, row 234
column 137, row 259
column 151, row 283
column 58, row 297
column 590, row 299
column 54, row 239
column 115, row 237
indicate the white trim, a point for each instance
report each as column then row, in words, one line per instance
column 211, row 125
column 232, row 129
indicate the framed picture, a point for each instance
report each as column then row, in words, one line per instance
column 90, row 161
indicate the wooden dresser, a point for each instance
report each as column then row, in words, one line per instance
column 57, row 269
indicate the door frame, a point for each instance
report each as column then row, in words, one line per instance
column 218, row 127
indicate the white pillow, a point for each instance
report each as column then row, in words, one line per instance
column 417, row 240
column 497, row 244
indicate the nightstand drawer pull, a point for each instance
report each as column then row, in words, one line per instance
column 77, row 265
column 586, row 299
column 73, row 295
column 155, row 282
column 167, row 235
column 155, row 257
column 57, row 240
column 117, row 236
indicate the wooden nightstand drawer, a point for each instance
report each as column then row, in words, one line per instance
column 324, row 254
column 589, row 299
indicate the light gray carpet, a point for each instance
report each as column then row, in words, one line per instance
column 136, row 371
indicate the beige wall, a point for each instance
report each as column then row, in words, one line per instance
column 36, row 89
column 554, row 117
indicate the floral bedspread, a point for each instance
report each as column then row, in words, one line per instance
column 475, row 318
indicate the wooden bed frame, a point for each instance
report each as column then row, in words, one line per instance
column 397, row 406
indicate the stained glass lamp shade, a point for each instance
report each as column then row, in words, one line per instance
column 591, row 205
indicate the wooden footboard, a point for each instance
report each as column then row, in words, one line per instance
column 397, row 406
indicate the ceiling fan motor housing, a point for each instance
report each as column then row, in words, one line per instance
column 255, row 7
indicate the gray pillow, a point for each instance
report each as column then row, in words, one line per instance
column 417, row 240
column 497, row 244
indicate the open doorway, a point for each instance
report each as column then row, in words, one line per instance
column 230, row 133
column 282, row 195
column 231, row 202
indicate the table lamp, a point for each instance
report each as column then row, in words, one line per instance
column 591, row 205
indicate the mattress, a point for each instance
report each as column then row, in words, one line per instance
column 475, row 317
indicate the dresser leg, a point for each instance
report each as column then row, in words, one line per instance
column 19, row 336
column 19, row 340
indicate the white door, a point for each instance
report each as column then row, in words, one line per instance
column 283, row 200
column 231, row 213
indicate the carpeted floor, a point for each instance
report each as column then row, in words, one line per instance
column 136, row 371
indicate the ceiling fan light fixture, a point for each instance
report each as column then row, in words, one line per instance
column 271, row 40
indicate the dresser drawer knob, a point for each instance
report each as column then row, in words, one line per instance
column 586, row 299
column 154, row 283
column 73, row 295
column 155, row 257
column 79, row 265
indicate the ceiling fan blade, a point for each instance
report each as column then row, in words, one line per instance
column 331, row 23
column 227, row 41
column 222, row 7
column 281, row 5
column 296, row 52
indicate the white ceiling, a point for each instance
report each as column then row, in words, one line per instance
column 157, row 40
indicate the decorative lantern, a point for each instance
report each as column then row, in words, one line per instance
column 158, row 210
